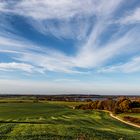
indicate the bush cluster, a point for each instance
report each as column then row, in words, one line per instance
column 117, row 106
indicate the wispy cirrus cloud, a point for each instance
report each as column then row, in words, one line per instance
column 16, row 66
column 56, row 61
column 40, row 13
column 45, row 9
column 90, row 54
column 131, row 17
column 71, row 17
column 103, row 34
column 131, row 66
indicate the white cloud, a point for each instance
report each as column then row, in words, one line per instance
column 50, row 62
column 72, row 16
column 85, row 58
column 90, row 53
column 82, row 20
column 94, row 56
column 16, row 66
column 132, row 17
column 46, row 9
column 2, row 6
column 40, row 13
column 76, row 29
column 88, row 56
column 130, row 67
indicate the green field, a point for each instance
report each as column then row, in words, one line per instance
column 136, row 115
column 58, row 121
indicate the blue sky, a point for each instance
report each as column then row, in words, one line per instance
column 70, row 46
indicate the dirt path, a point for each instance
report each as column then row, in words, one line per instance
column 117, row 118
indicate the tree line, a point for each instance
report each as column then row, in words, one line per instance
column 121, row 105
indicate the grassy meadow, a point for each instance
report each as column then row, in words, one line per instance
column 58, row 121
column 137, row 115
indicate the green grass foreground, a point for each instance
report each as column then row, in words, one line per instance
column 58, row 121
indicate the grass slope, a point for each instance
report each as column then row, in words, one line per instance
column 55, row 120
column 137, row 115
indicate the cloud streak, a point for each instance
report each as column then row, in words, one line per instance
column 90, row 54
column 16, row 66
column 37, row 36
column 130, row 67
column 131, row 18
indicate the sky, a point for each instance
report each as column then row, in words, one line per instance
column 70, row 47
